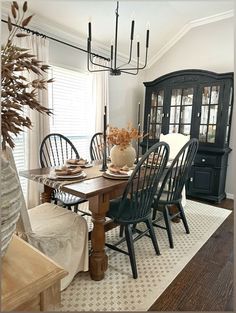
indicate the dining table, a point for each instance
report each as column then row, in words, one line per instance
column 98, row 189
column 95, row 188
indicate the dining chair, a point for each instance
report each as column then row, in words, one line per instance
column 134, row 206
column 169, row 193
column 60, row 234
column 96, row 147
column 176, row 141
column 55, row 149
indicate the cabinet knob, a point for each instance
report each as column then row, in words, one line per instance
column 191, row 179
column 203, row 160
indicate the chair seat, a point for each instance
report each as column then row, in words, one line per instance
column 67, row 199
column 163, row 199
column 127, row 216
column 62, row 235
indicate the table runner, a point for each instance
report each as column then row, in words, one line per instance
column 91, row 172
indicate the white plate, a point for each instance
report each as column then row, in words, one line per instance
column 80, row 175
column 80, row 165
column 119, row 175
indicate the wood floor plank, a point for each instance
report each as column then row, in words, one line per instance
column 206, row 283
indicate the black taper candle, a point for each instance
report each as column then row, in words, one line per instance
column 138, row 143
column 147, row 38
column 138, row 49
column 104, row 163
column 132, row 31
column 148, row 128
column 111, row 52
column 89, row 31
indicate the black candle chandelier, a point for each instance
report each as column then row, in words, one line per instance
column 113, row 68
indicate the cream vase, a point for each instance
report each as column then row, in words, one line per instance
column 10, row 203
column 123, row 157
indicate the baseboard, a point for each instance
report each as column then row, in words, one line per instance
column 229, row 196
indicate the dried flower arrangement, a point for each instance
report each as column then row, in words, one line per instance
column 122, row 137
column 17, row 90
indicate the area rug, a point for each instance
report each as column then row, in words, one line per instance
column 118, row 291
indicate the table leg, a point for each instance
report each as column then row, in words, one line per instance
column 46, row 195
column 98, row 260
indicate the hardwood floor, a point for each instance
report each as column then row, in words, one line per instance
column 206, row 283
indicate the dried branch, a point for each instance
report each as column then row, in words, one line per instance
column 18, row 91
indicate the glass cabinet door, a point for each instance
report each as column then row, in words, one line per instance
column 156, row 114
column 181, row 111
column 209, row 113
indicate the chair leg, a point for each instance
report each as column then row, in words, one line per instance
column 153, row 236
column 168, row 226
column 154, row 212
column 130, row 246
column 121, row 230
column 76, row 206
column 182, row 215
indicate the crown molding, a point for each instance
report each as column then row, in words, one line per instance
column 185, row 29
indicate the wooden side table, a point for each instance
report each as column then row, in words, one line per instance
column 30, row 280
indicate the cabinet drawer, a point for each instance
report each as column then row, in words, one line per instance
column 205, row 160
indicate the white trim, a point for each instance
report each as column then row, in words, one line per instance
column 229, row 195
column 185, row 29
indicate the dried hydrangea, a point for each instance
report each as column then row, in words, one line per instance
column 122, row 137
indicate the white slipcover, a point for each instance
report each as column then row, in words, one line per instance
column 176, row 141
column 57, row 232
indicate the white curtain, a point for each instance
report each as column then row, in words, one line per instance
column 40, row 48
column 100, row 93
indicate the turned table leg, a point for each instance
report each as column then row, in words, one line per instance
column 98, row 260
column 46, row 196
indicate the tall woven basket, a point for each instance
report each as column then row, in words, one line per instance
column 10, row 203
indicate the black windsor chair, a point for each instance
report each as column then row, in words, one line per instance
column 135, row 204
column 55, row 149
column 96, row 147
column 169, row 193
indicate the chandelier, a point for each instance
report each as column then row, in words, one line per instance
column 113, row 68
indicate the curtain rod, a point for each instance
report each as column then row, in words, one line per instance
column 54, row 39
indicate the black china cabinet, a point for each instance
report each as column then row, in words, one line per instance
column 196, row 103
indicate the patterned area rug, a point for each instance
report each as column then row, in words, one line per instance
column 119, row 291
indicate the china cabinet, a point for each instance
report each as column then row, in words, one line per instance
column 196, row 103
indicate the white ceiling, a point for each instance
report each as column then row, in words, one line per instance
column 167, row 19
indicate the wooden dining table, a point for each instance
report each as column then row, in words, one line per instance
column 98, row 190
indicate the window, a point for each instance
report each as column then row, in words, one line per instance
column 19, row 157
column 70, row 98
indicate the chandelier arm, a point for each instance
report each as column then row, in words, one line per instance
column 122, row 71
column 145, row 64
column 93, row 71
column 135, row 68
column 130, row 55
column 107, row 67
column 97, row 63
